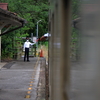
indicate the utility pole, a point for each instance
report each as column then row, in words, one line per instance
column 37, row 33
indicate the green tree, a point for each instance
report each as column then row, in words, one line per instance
column 30, row 10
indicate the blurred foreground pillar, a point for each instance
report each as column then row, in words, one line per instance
column 59, row 45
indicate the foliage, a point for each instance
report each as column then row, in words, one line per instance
column 75, row 36
column 75, row 8
column 45, row 43
column 30, row 10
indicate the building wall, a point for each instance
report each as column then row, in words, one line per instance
column 4, row 6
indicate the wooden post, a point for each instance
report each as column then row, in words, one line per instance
column 35, row 51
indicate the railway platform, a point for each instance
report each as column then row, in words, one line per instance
column 21, row 80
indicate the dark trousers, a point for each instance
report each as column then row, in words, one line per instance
column 26, row 54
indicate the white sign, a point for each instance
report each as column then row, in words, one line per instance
column 34, row 39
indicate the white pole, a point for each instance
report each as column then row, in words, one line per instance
column 37, row 33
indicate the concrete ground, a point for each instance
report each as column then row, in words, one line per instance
column 21, row 80
column 2, row 64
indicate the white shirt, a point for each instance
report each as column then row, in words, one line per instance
column 27, row 44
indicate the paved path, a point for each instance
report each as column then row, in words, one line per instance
column 19, row 80
column 2, row 64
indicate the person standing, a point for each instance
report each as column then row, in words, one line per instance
column 26, row 48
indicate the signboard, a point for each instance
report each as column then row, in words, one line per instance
column 34, row 39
